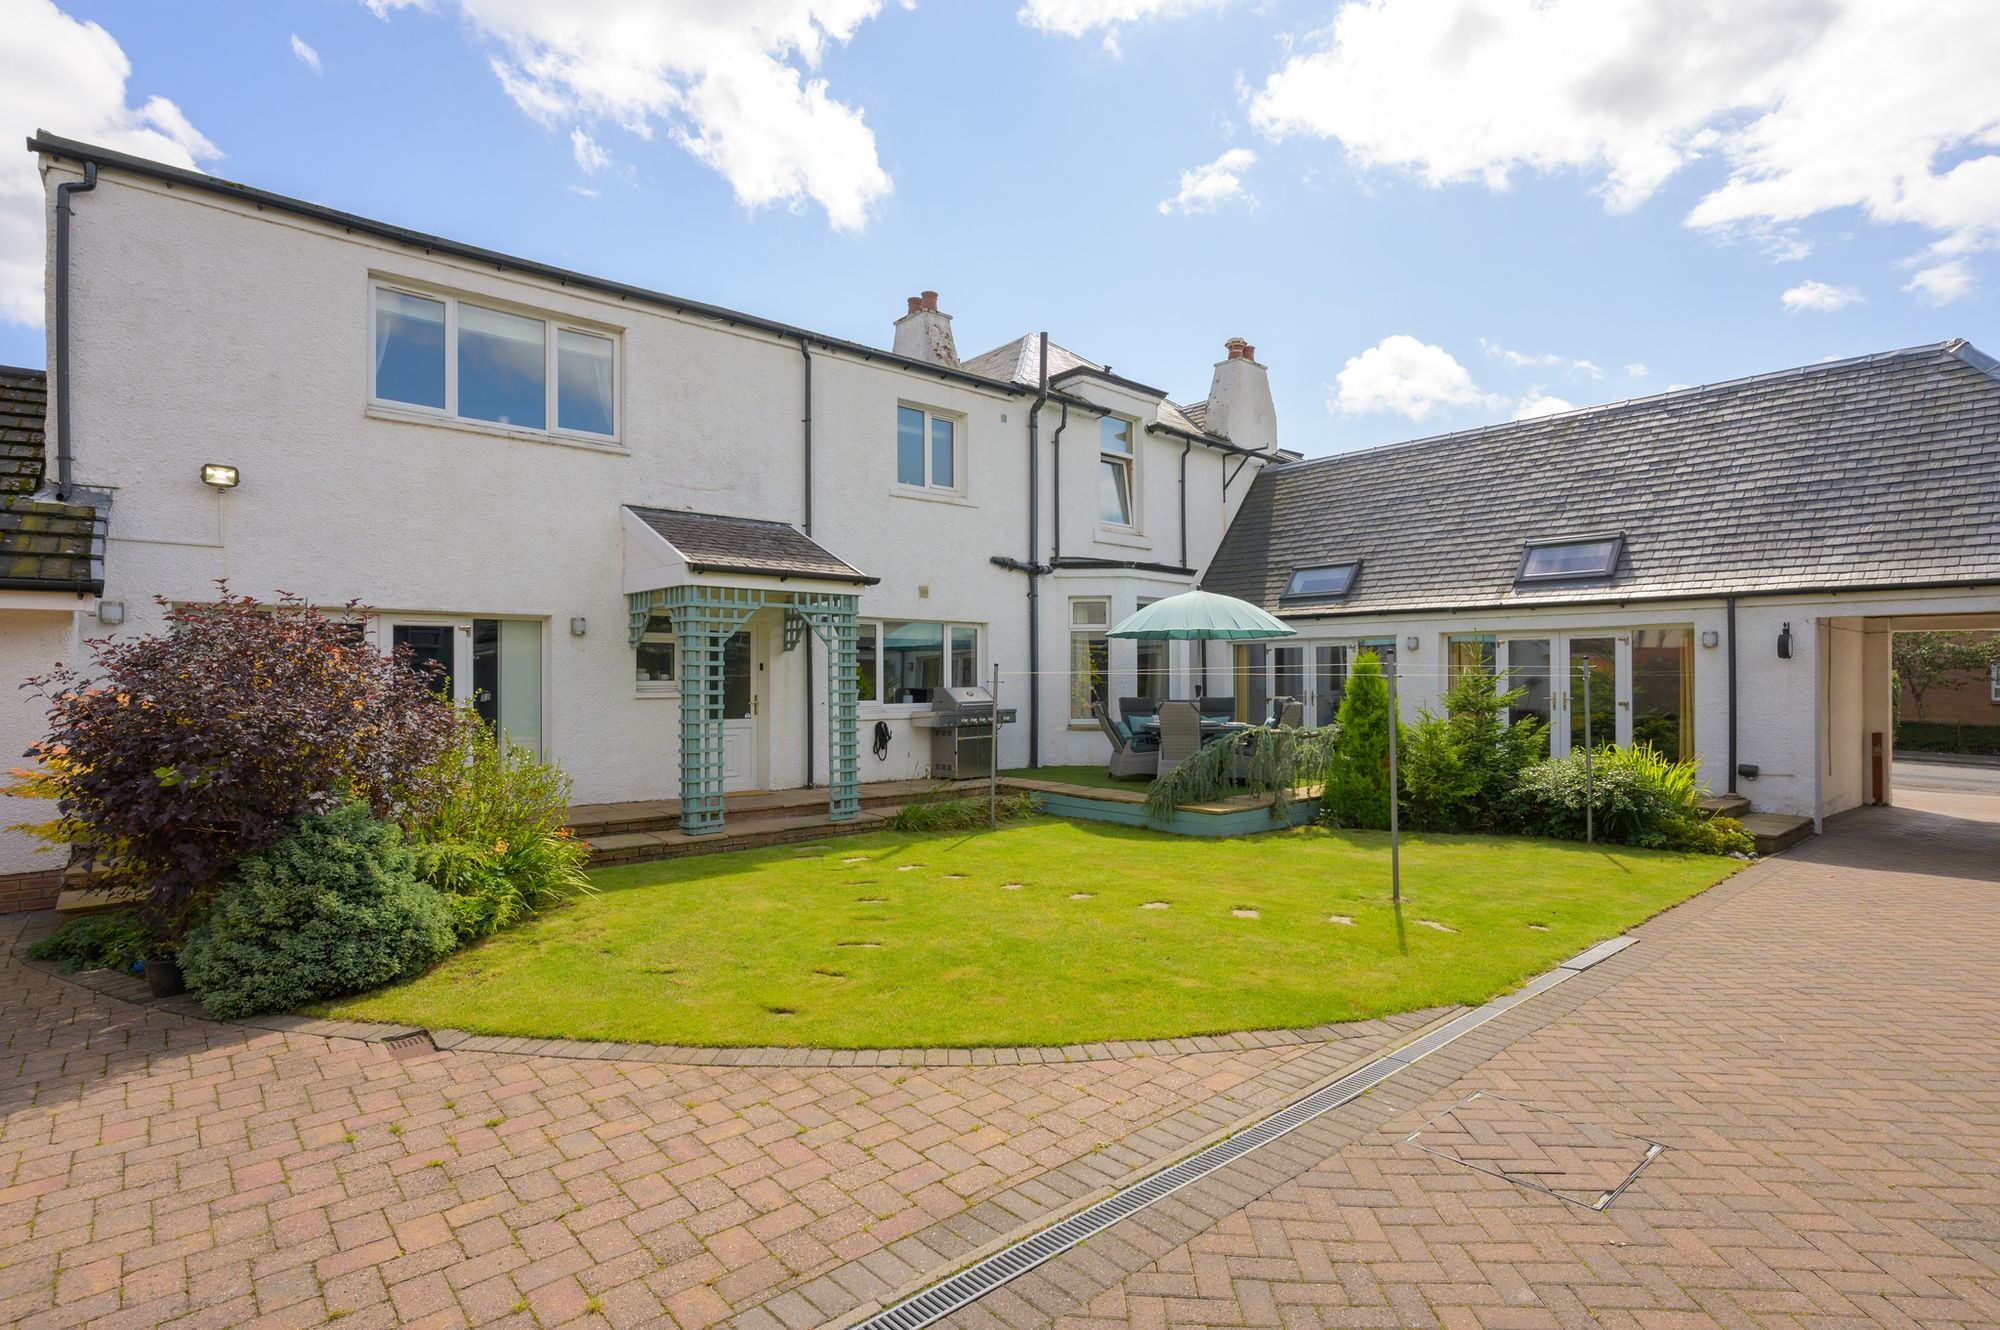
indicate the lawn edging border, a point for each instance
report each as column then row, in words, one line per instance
column 132, row 989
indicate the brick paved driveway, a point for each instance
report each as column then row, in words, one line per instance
column 156, row 1170
column 1818, row 1044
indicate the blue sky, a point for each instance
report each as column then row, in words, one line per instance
column 1426, row 216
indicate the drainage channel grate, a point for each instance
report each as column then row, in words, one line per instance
column 414, row 1044
column 982, row 1277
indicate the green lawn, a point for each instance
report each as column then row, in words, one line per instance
column 1094, row 776
column 1038, row 933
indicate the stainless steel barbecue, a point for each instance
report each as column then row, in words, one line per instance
column 963, row 726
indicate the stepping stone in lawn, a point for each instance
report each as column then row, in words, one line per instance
column 871, row 900
column 1432, row 923
column 1012, row 886
column 1539, row 928
column 1244, row 912
column 1154, row 905
column 954, row 877
column 856, row 859
column 908, row 868
column 1082, row 895
column 857, row 944
column 1340, row 919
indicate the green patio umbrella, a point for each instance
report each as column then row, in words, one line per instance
column 1202, row 616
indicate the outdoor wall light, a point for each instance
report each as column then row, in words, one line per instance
column 216, row 476
column 1711, row 638
column 577, row 626
column 1785, row 643
column 1410, row 642
column 111, row 613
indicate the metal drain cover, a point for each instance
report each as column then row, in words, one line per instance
column 1581, row 1163
column 412, row 1045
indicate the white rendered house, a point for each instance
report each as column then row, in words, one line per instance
column 470, row 443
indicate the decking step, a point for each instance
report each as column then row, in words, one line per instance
column 595, row 822
column 1774, row 832
column 738, row 833
column 1725, row 805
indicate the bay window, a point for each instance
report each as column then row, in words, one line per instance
column 469, row 361
column 1089, row 654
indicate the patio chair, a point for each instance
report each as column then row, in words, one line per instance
column 1131, row 709
column 1129, row 757
column 1218, row 708
column 1292, row 715
column 1180, row 734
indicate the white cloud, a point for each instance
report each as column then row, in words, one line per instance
column 1406, row 376
column 1810, row 106
column 305, row 53
column 1545, row 360
column 1942, row 283
column 585, row 190
column 590, row 157
column 1215, row 182
column 1636, row 370
column 68, row 77
column 1075, row 18
column 1539, row 403
column 1819, row 297
column 731, row 83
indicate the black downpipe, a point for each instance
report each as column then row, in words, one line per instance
column 1731, row 603
column 1185, row 450
column 1034, row 559
column 1055, row 478
column 805, row 350
column 64, row 454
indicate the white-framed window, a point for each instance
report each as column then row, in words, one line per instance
column 1114, row 472
column 655, row 656
column 475, row 361
column 903, row 662
column 929, row 449
column 1993, row 681
column 1089, row 654
column 1154, row 680
column 493, row 666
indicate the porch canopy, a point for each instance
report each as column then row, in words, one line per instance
column 710, row 573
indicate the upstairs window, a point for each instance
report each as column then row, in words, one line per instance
column 474, row 362
column 1586, row 560
column 1114, row 471
column 1328, row 581
column 926, row 449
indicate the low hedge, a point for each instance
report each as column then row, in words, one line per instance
column 1938, row 736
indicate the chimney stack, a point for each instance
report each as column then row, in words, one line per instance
column 924, row 333
column 1239, row 399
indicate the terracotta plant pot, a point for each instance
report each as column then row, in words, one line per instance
column 163, row 976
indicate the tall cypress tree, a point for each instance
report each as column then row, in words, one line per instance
column 1357, row 785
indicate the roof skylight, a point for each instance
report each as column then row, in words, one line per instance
column 1328, row 581
column 1583, row 560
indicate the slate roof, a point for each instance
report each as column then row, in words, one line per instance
column 1019, row 361
column 44, row 544
column 1882, row 470
column 716, row 544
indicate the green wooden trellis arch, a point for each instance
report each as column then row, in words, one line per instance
column 704, row 617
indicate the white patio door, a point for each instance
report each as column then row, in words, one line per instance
column 1596, row 667
column 742, row 712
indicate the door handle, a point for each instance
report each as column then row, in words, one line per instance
column 753, row 704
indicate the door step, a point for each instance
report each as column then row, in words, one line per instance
column 1725, row 805
column 1775, row 832
column 738, row 833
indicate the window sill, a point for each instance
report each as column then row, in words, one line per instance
column 953, row 497
column 668, row 690
column 1089, row 726
column 376, row 411
column 1124, row 535
column 892, row 710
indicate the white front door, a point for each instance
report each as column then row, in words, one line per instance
column 1593, row 680
column 742, row 708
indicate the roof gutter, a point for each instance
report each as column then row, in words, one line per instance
column 1966, row 584
column 738, row 570
column 65, row 455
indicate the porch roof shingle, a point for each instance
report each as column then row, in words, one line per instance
column 1880, row 470
column 712, row 543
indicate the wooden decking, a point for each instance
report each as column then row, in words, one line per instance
column 620, row 833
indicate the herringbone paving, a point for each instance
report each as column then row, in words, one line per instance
column 157, row 1170
column 1818, row 1044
